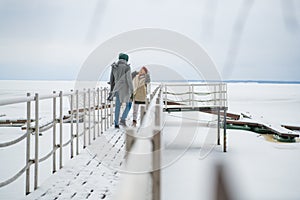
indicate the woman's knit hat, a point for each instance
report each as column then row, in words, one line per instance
column 145, row 69
column 123, row 56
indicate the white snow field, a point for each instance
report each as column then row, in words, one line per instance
column 254, row 168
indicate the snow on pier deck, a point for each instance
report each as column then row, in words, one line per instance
column 186, row 172
column 87, row 176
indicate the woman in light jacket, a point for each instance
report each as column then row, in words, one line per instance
column 140, row 81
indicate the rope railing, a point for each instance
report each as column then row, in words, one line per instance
column 79, row 115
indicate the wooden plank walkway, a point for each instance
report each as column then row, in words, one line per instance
column 92, row 174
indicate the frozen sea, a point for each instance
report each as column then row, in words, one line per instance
column 276, row 103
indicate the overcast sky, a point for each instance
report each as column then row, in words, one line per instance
column 248, row 39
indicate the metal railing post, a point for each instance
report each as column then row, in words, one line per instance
column 221, row 99
column 27, row 186
column 94, row 115
column 215, row 94
column 72, row 124
column 101, row 104
column 190, row 95
column 36, row 149
column 98, row 112
column 54, row 135
column 129, row 140
column 147, row 103
column 166, row 101
column 156, row 157
column 111, row 113
column 143, row 112
column 193, row 96
column 157, row 116
column 105, row 110
column 89, row 116
column 60, row 129
column 77, row 122
column 84, row 118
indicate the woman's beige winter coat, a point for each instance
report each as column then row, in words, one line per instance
column 139, row 88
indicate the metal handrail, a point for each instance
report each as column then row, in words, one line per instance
column 17, row 175
column 197, row 93
column 36, row 128
column 216, row 91
column 200, row 101
column 5, row 102
column 19, row 139
column 48, row 155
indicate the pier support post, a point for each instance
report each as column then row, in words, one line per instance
column 225, row 137
column 218, row 125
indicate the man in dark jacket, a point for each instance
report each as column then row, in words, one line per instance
column 121, row 87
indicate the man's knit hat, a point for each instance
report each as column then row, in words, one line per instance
column 123, row 56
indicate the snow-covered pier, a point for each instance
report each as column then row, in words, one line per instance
column 170, row 155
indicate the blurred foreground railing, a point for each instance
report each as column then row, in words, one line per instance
column 87, row 107
column 143, row 156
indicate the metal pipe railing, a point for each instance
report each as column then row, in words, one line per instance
column 77, row 123
column 54, row 135
column 211, row 95
column 36, row 144
column 60, row 130
column 72, row 125
column 38, row 127
column 27, row 177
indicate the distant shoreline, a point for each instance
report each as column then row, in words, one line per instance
column 171, row 81
column 237, row 81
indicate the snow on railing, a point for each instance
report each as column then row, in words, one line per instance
column 80, row 113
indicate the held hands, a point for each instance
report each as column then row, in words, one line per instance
column 110, row 96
